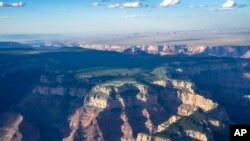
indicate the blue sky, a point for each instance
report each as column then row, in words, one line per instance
column 121, row 16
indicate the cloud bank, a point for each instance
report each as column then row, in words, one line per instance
column 15, row 4
column 229, row 5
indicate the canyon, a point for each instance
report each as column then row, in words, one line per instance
column 156, row 49
column 73, row 94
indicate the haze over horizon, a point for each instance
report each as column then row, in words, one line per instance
column 121, row 16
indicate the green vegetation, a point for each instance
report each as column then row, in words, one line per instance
column 160, row 73
column 109, row 72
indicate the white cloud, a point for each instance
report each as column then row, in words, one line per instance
column 15, row 4
column 126, row 5
column 229, row 4
column 132, row 5
column 167, row 3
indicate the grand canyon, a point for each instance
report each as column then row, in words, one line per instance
column 152, row 93
column 124, row 70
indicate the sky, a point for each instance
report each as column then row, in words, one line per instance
column 121, row 16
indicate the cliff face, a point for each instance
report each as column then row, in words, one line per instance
column 175, row 49
column 126, row 129
column 219, row 51
column 187, row 95
column 191, row 104
column 84, row 126
column 9, row 130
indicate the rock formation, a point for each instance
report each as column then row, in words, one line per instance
column 9, row 130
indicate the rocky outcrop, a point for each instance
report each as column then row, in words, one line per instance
column 166, row 124
column 198, row 101
column 126, row 129
column 84, row 126
column 145, row 137
column 100, row 94
column 215, row 123
column 187, row 95
column 9, row 130
column 102, row 89
column 186, row 109
column 148, row 123
column 183, row 85
column 196, row 135
column 162, row 83
column 98, row 101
